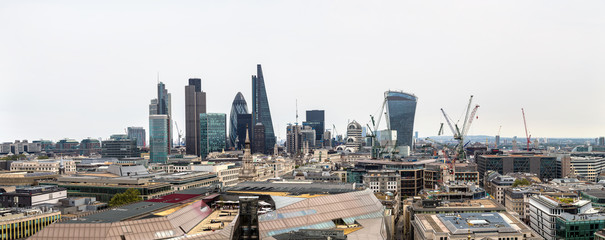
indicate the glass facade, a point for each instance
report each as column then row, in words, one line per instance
column 158, row 138
column 138, row 133
column 238, row 107
column 401, row 109
column 260, row 108
column 212, row 133
column 578, row 230
column 316, row 120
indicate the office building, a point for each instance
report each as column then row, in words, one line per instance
column 90, row 146
column 67, row 147
column 31, row 196
column 471, row 226
column 293, row 143
column 158, row 138
column 259, row 141
column 138, row 133
column 238, row 107
column 212, row 133
column 120, row 146
column 401, row 109
column 544, row 167
column 316, row 120
column 354, row 139
column 587, row 168
column 244, row 126
column 163, row 106
column 260, row 110
column 495, row 184
column 53, row 166
column 195, row 104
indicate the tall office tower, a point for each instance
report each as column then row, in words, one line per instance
column 162, row 106
column 244, row 125
column 260, row 110
column 258, row 143
column 401, row 108
column 316, row 120
column 158, row 138
column 238, row 107
column 601, row 141
column 212, row 133
column 354, row 135
column 195, row 104
column 139, row 134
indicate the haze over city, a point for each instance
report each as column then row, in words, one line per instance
column 77, row 70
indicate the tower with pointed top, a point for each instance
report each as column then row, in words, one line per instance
column 248, row 171
column 160, row 125
column 260, row 111
column 238, row 108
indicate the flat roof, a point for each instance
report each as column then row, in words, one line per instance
column 173, row 198
column 121, row 213
column 595, row 193
column 462, row 223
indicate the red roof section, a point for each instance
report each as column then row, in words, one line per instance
column 173, row 198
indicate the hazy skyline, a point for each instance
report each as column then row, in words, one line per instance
column 89, row 69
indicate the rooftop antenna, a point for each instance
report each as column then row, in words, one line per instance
column 297, row 111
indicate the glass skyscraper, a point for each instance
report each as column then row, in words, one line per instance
column 162, row 106
column 158, row 138
column 238, row 107
column 212, row 133
column 316, row 120
column 401, row 108
column 260, row 109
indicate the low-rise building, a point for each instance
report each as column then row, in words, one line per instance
column 54, row 166
column 32, row 196
column 20, row 223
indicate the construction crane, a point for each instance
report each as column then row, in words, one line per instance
column 526, row 133
column 460, row 134
column 440, row 130
column 179, row 133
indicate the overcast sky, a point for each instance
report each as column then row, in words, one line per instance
column 82, row 69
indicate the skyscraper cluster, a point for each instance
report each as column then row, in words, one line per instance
column 207, row 132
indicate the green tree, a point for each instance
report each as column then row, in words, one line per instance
column 129, row 196
column 521, row 182
column 14, row 157
column 42, row 157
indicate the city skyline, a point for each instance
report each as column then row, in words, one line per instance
column 545, row 61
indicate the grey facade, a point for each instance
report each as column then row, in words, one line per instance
column 260, row 110
column 545, row 167
column 120, row 148
column 401, row 109
column 238, row 108
column 138, row 133
column 195, row 104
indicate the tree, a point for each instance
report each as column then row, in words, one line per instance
column 42, row 157
column 129, row 196
column 521, row 182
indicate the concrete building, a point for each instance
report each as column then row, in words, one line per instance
column 32, row 196
column 471, row 226
column 53, row 166
column 195, row 104
column 587, row 168
column 20, row 147
column 496, row 184
column 90, row 146
column 227, row 173
column 354, row 139
column 382, row 181
column 138, row 134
